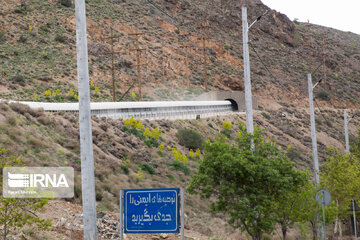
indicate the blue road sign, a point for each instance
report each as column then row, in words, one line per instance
column 151, row 210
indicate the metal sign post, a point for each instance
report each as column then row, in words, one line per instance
column 121, row 224
column 182, row 213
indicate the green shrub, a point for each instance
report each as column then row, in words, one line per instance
column 161, row 154
column 66, row 3
column 323, row 95
column 22, row 39
column 98, row 196
column 60, row 38
column 171, row 177
column 190, row 138
column 265, row 115
column 2, row 36
column 19, row 79
column 125, row 169
column 293, row 154
column 179, row 166
column 151, row 142
column 146, row 167
column 226, row 132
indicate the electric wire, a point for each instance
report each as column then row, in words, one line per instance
column 190, row 28
column 321, row 113
column 267, row 69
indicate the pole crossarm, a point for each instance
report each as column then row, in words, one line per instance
column 257, row 19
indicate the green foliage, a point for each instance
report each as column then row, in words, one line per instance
column 191, row 153
column 246, row 184
column 19, row 79
column 139, row 126
column 355, row 147
column 226, row 132
column 156, row 133
column 340, row 174
column 179, row 166
column 198, row 153
column 161, row 148
column 151, row 142
column 98, row 196
column 22, row 39
column 60, row 38
column 190, row 138
column 265, row 115
column 323, row 95
column 227, row 125
column 297, row 206
column 66, row 3
column 16, row 213
column 147, row 132
column 125, row 169
column 171, row 177
column 147, row 168
column 2, row 36
column 293, row 154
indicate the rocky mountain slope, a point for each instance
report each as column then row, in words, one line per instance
column 38, row 56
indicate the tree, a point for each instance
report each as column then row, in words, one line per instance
column 340, row 175
column 189, row 138
column 294, row 206
column 245, row 184
column 15, row 213
column 300, row 206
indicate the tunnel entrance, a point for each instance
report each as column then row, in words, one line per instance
column 234, row 104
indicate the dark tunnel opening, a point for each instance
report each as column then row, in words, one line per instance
column 234, row 104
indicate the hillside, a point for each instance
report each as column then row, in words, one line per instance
column 38, row 50
column 38, row 54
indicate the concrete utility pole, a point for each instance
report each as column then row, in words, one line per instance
column 314, row 145
column 247, row 81
column 346, row 122
column 313, row 130
column 86, row 148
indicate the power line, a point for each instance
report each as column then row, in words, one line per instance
column 321, row 112
column 267, row 69
column 190, row 28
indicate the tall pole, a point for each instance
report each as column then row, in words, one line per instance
column 86, row 149
column 182, row 237
column 346, row 122
column 313, row 131
column 354, row 216
column 247, row 81
column 121, row 224
column 314, row 147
